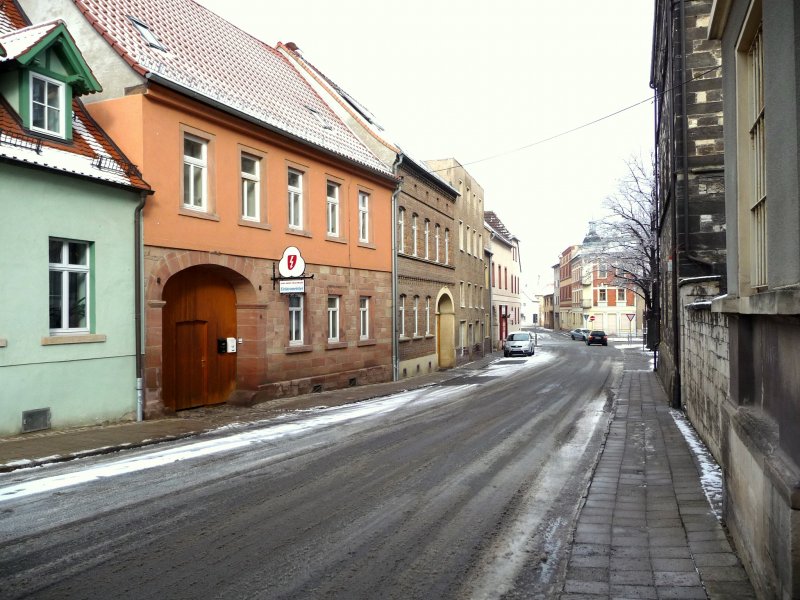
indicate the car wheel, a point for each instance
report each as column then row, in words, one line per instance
column 505, row 354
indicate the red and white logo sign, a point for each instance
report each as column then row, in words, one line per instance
column 591, row 318
column 291, row 264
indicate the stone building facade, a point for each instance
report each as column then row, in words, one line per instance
column 759, row 434
column 469, row 259
column 689, row 167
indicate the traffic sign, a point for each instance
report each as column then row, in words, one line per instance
column 591, row 318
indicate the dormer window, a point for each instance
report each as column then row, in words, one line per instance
column 147, row 34
column 47, row 105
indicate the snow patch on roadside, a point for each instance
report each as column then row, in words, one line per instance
column 710, row 472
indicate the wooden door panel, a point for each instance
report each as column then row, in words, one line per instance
column 194, row 296
column 191, row 364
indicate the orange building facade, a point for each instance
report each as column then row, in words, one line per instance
column 241, row 174
column 209, row 272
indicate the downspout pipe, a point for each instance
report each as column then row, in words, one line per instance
column 395, row 340
column 676, row 327
column 138, row 287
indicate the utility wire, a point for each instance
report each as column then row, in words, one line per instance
column 579, row 127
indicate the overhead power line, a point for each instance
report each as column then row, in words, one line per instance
column 579, row 127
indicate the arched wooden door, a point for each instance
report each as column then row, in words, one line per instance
column 200, row 309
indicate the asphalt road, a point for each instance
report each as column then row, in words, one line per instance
column 464, row 490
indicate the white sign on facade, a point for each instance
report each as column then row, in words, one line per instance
column 291, row 264
column 292, row 286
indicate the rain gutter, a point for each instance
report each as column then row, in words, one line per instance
column 395, row 341
column 138, row 287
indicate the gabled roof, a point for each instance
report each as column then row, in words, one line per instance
column 362, row 115
column 494, row 222
column 197, row 52
column 90, row 153
column 25, row 45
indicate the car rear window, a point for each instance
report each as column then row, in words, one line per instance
column 518, row 337
column 598, row 332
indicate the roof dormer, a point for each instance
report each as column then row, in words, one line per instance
column 41, row 70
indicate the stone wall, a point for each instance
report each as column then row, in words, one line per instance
column 705, row 363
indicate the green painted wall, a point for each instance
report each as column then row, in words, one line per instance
column 83, row 383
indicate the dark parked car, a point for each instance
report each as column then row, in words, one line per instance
column 519, row 342
column 597, row 336
column 579, row 334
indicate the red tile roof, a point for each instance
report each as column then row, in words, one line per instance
column 210, row 57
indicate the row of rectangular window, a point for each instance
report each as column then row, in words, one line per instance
column 473, row 240
column 401, row 234
column 195, row 190
column 401, row 316
column 466, row 299
column 297, row 317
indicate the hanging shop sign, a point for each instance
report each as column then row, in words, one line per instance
column 291, row 267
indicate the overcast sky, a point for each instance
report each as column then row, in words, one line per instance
column 483, row 82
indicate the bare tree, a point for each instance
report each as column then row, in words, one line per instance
column 626, row 237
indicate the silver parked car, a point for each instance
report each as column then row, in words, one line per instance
column 519, row 342
column 579, row 334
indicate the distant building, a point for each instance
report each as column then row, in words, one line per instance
column 505, row 271
column 468, row 245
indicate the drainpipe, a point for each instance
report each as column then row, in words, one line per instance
column 395, row 341
column 676, row 328
column 138, row 289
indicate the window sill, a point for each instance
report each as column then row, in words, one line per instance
column 3, row 342
column 404, row 339
column 336, row 240
column 87, row 338
column 366, row 245
column 297, row 349
column 429, row 336
column 336, row 345
column 772, row 302
column 418, row 337
column 255, row 224
column 300, row 232
column 197, row 214
column 369, row 342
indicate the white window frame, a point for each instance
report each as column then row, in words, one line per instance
column 194, row 164
column 602, row 295
column 295, row 199
column 461, row 235
column 401, row 229
column 66, row 269
column 333, row 318
column 254, row 180
column 416, row 316
column 363, row 309
column 437, row 231
column 427, row 236
column 414, row 232
column 622, row 296
column 332, row 213
column 296, row 320
column 447, row 246
column 401, row 310
column 461, row 294
column 363, row 217
column 428, row 315
column 61, row 108
column 469, row 240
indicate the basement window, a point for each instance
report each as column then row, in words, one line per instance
column 148, row 35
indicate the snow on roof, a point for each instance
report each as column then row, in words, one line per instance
column 90, row 153
column 17, row 42
column 184, row 44
column 360, row 112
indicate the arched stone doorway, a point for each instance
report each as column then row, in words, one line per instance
column 199, row 311
column 445, row 330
